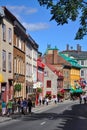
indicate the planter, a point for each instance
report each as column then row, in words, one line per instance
column 17, row 87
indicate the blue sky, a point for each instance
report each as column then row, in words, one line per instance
column 36, row 20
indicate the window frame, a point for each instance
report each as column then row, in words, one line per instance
column 4, row 32
column 10, row 36
column 3, row 60
column 9, row 62
column 48, row 83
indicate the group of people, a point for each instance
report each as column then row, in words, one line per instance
column 22, row 106
column 44, row 101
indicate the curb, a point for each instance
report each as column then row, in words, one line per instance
column 4, row 119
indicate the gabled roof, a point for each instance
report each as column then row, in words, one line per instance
column 52, row 68
column 72, row 61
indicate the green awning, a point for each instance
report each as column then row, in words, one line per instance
column 79, row 90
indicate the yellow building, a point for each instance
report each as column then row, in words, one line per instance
column 75, row 70
column 74, row 76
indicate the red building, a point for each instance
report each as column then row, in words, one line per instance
column 40, row 80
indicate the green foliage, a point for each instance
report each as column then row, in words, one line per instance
column 63, row 11
column 39, row 90
column 60, row 95
column 48, row 96
column 17, row 87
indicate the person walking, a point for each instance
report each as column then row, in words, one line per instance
column 22, row 112
column 80, row 99
column 29, row 105
column 19, row 105
column 3, row 108
column 55, row 100
column 47, row 100
column 24, row 106
column 43, row 101
column 9, row 107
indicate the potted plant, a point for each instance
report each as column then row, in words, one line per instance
column 17, row 87
column 39, row 90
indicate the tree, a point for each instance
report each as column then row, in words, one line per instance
column 63, row 11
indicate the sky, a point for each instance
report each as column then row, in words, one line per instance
column 36, row 20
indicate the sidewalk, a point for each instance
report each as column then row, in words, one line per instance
column 36, row 109
column 3, row 119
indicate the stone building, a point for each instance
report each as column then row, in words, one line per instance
column 6, row 55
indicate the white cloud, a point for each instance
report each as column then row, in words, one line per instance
column 22, row 9
column 36, row 26
column 19, row 10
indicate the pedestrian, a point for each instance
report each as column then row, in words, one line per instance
column 40, row 101
column 43, row 101
column 80, row 99
column 24, row 106
column 3, row 108
column 29, row 105
column 9, row 107
column 84, row 99
column 14, row 106
column 22, row 112
column 47, row 101
column 58, row 98
column 55, row 100
column 19, row 105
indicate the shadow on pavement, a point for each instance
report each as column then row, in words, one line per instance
column 72, row 119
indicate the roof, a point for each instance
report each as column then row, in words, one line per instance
column 57, row 72
column 72, row 61
column 12, row 17
column 62, row 61
column 77, row 54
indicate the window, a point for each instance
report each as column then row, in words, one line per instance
column 48, row 83
column 10, row 35
column 82, row 72
column 15, row 65
column 82, row 62
column 4, row 60
column 27, row 69
column 9, row 62
column 20, row 44
column 4, row 32
column 45, row 73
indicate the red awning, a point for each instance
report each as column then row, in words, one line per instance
column 62, row 90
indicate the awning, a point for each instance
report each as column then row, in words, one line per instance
column 79, row 90
column 1, row 78
column 62, row 91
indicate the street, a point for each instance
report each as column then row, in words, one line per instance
column 69, row 116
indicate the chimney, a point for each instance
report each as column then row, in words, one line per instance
column 55, row 56
column 67, row 47
column 78, row 47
